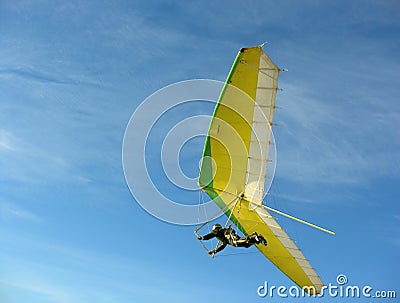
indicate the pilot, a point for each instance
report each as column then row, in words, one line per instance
column 229, row 236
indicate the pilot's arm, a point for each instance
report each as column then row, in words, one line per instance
column 207, row 236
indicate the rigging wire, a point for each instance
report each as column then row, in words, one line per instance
column 236, row 200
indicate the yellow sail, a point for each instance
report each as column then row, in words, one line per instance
column 235, row 160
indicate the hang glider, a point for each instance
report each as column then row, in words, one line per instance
column 235, row 161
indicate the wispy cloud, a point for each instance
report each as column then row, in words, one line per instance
column 292, row 198
column 6, row 141
column 65, row 88
column 9, row 210
column 33, row 74
column 38, row 288
column 26, row 163
column 330, row 142
column 57, row 272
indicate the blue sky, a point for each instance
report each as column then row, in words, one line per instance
column 72, row 74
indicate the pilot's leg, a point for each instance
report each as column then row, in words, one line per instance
column 255, row 238
column 242, row 242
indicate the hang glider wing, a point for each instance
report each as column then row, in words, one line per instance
column 235, row 160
